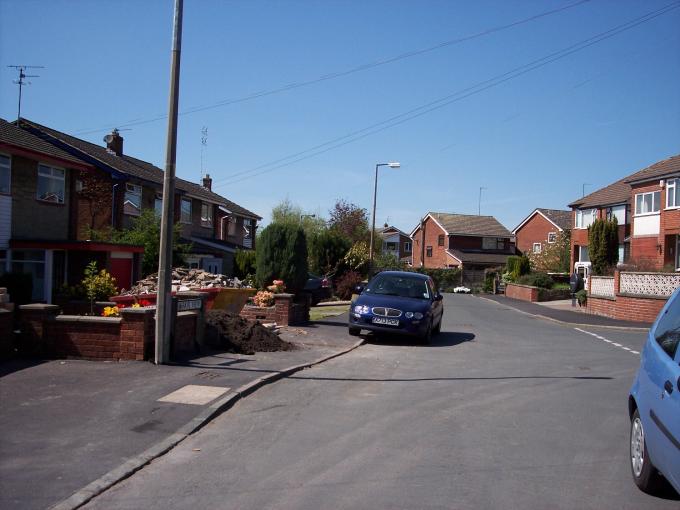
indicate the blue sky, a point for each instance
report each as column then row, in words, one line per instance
column 532, row 141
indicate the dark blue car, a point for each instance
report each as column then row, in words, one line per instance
column 654, row 404
column 398, row 302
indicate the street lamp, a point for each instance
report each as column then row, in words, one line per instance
column 393, row 164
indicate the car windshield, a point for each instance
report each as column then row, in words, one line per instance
column 398, row 285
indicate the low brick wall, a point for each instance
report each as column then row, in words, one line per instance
column 523, row 292
column 626, row 307
column 285, row 312
column 95, row 338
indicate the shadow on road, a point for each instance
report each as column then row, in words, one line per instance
column 15, row 365
column 443, row 339
column 426, row 379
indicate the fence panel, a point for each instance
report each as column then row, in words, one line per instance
column 602, row 286
column 649, row 284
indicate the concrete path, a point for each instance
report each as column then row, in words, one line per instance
column 67, row 425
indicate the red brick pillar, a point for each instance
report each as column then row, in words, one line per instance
column 33, row 319
column 617, row 282
column 284, row 308
column 137, row 333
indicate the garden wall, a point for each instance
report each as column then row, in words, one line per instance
column 285, row 311
column 632, row 296
column 523, row 292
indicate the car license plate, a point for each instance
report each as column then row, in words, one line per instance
column 386, row 322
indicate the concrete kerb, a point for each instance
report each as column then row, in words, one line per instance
column 557, row 321
column 222, row 405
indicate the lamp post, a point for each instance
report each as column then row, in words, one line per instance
column 393, row 164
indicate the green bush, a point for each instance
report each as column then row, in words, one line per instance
column 518, row 266
column 541, row 280
column 344, row 287
column 582, row 297
column 245, row 263
column 282, row 255
column 326, row 251
column 99, row 285
column 445, row 280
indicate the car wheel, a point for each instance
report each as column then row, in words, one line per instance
column 426, row 338
column 438, row 329
column 354, row 331
column 645, row 475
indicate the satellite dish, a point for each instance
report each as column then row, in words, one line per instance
column 108, row 139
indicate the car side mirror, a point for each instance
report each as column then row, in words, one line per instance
column 359, row 289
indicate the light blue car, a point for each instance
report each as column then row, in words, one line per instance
column 654, row 404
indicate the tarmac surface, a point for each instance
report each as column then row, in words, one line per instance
column 67, row 423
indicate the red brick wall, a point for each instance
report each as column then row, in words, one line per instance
column 432, row 232
column 534, row 231
column 523, row 292
column 638, row 309
column 284, row 312
column 87, row 338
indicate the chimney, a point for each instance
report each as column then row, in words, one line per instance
column 114, row 142
column 207, row 182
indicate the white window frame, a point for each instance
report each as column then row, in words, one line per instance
column 552, row 237
column 158, row 204
column 537, row 248
column 133, row 190
column 247, row 223
column 206, row 214
column 182, row 216
column 8, row 167
column 582, row 216
column 656, row 203
column 51, row 173
column 408, row 247
column 672, row 184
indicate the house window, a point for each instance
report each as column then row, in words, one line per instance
column 552, row 237
column 537, row 247
column 247, row 233
column 440, row 240
column 647, row 203
column 51, row 184
column 158, row 204
column 133, row 199
column 33, row 263
column 407, row 247
column 391, row 246
column 500, row 243
column 231, row 229
column 206, row 215
column 185, row 211
column 488, row 243
column 583, row 254
column 618, row 212
column 428, row 251
column 672, row 198
column 5, row 174
column 585, row 217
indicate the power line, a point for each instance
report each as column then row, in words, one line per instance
column 446, row 100
column 346, row 72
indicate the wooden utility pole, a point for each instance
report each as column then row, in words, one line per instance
column 164, row 301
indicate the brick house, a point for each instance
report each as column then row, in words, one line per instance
column 471, row 243
column 541, row 228
column 647, row 209
column 44, row 212
column 215, row 227
column 655, row 241
column 396, row 243
column 612, row 201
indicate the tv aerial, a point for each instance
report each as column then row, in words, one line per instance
column 22, row 80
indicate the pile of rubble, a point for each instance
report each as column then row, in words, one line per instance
column 184, row 279
column 236, row 334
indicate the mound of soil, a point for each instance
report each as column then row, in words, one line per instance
column 236, row 334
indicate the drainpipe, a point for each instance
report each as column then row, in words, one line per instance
column 113, row 207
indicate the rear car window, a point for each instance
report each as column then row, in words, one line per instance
column 667, row 333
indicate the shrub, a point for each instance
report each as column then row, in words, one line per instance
column 541, row 280
column 245, row 263
column 326, row 251
column 282, row 254
column 603, row 249
column 98, row 285
column 582, row 297
column 518, row 266
column 344, row 287
column 445, row 280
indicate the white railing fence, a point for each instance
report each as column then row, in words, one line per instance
column 602, row 286
column 648, row 284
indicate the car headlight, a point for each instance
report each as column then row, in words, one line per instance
column 361, row 309
column 413, row 315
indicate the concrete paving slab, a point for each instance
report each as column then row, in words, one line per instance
column 194, row 394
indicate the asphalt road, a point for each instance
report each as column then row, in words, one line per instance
column 502, row 411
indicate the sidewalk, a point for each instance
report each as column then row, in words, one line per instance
column 69, row 424
column 562, row 311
